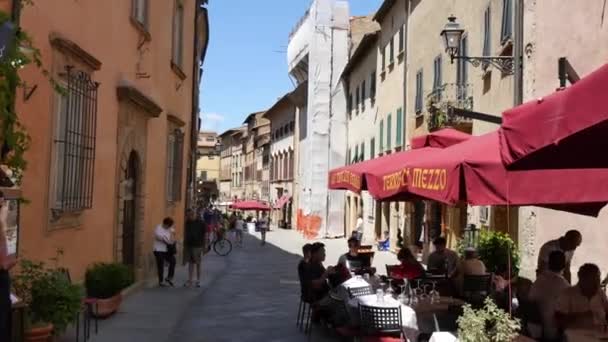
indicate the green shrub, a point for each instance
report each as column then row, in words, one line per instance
column 49, row 295
column 105, row 280
column 488, row 324
column 494, row 248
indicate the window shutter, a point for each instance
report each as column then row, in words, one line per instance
column 381, row 137
column 392, row 50
column 439, row 72
column 348, row 157
column 356, row 156
column 401, row 39
column 399, row 127
column 389, row 132
column 363, row 94
column 486, row 37
column 357, row 100
column 507, row 21
column 383, row 58
column 372, row 89
column 177, row 168
column 362, row 151
column 372, row 148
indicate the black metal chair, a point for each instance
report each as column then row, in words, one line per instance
column 380, row 321
column 476, row 288
column 89, row 306
column 354, row 292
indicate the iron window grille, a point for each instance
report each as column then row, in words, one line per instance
column 174, row 165
column 75, row 142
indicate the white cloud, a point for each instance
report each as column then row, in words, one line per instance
column 212, row 117
column 211, row 121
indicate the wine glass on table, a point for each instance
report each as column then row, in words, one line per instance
column 389, row 290
column 434, row 294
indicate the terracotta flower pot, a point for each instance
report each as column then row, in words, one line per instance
column 107, row 307
column 39, row 334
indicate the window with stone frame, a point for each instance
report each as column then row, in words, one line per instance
column 74, row 141
column 175, row 147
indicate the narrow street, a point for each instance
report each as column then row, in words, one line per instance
column 250, row 295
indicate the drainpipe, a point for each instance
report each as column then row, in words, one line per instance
column 197, row 73
column 408, row 6
column 518, row 48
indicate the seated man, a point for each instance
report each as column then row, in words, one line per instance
column 548, row 286
column 583, row 306
column 302, row 265
column 353, row 260
column 471, row 265
column 443, row 260
column 316, row 275
column 384, row 245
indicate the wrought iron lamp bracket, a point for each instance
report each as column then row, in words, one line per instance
column 502, row 63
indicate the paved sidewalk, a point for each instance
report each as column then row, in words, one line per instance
column 250, row 295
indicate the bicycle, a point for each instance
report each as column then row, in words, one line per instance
column 221, row 245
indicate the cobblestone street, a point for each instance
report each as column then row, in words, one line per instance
column 250, row 295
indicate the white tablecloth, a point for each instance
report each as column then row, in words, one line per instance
column 408, row 315
column 444, row 336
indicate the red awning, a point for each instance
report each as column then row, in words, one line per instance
column 282, row 201
column 473, row 172
column 567, row 129
column 250, row 205
column 352, row 177
column 440, row 139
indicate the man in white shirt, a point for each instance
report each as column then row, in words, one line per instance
column 548, row 286
column 567, row 244
column 583, row 306
column 163, row 238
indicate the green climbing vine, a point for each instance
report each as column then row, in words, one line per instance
column 15, row 138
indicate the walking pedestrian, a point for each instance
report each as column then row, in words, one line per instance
column 239, row 226
column 263, row 226
column 6, row 263
column 194, row 242
column 164, row 251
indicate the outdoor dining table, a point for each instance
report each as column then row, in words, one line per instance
column 415, row 319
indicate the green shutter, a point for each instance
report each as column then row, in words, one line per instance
column 362, row 151
column 372, row 148
column 399, row 127
column 388, row 132
column 381, row 137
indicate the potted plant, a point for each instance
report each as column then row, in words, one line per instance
column 495, row 249
column 105, row 282
column 53, row 302
column 488, row 324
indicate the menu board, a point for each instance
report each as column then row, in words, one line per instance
column 12, row 233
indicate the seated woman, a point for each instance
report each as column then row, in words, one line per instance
column 409, row 268
column 384, row 245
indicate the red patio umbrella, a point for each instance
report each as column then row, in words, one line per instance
column 473, row 172
column 440, row 139
column 563, row 130
column 352, row 177
column 250, row 205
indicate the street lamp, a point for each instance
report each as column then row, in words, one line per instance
column 452, row 34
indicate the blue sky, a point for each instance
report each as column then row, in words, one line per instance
column 245, row 68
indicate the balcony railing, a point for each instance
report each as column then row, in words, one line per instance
column 446, row 96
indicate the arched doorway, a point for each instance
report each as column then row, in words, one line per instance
column 129, row 220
